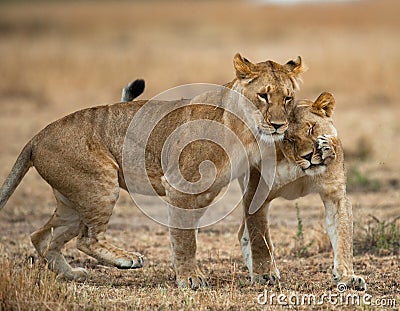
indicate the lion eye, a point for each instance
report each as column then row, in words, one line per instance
column 288, row 99
column 311, row 130
column 264, row 96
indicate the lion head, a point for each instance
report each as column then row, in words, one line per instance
column 270, row 87
column 311, row 140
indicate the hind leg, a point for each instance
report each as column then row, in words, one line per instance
column 50, row 239
column 95, row 216
column 86, row 173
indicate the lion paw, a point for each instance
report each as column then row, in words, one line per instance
column 74, row 274
column 265, row 279
column 135, row 261
column 355, row 282
column 325, row 147
column 192, row 282
column 111, row 255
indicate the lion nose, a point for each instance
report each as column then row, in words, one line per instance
column 277, row 125
column 308, row 156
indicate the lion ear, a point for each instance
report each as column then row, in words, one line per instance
column 324, row 105
column 295, row 69
column 243, row 69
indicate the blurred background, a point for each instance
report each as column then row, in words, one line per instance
column 61, row 56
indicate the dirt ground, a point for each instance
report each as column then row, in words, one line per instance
column 58, row 57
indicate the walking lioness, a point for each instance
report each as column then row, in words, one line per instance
column 80, row 156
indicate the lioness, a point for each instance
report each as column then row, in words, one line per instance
column 309, row 159
column 80, row 156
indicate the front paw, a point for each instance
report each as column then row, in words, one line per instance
column 325, row 146
column 193, row 280
column 73, row 274
column 352, row 282
column 265, row 279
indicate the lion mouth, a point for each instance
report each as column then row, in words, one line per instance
column 267, row 136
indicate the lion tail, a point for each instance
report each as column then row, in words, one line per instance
column 132, row 90
column 18, row 172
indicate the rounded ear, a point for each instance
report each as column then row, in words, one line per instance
column 243, row 68
column 296, row 66
column 295, row 69
column 324, row 105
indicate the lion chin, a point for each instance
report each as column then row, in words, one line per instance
column 315, row 170
column 270, row 138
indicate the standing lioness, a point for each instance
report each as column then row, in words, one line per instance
column 80, row 156
column 309, row 160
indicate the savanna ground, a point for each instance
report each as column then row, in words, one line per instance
column 58, row 57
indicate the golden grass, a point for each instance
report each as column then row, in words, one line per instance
column 30, row 286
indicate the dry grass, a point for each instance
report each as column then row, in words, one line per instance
column 27, row 286
column 62, row 56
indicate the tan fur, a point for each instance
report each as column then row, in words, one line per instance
column 310, row 159
column 80, row 156
column 267, row 86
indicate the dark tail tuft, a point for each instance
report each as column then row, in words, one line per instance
column 132, row 90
